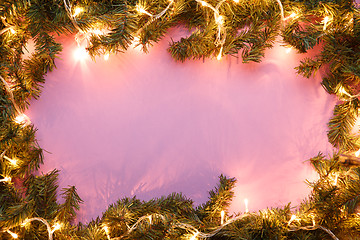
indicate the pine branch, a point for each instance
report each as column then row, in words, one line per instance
column 340, row 125
column 67, row 211
column 42, row 191
column 219, row 200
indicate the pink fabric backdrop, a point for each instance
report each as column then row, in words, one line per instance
column 145, row 125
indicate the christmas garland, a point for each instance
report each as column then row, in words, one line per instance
column 28, row 202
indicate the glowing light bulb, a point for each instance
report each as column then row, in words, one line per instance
column 219, row 20
column 25, row 223
column 77, row 11
column 194, row 237
column 80, row 54
column 325, row 21
column 222, row 214
column 150, row 220
column 141, row 9
column 12, row 161
column 236, row 1
column 293, row 15
column 293, row 217
column 246, row 202
column 343, row 91
column 14, row 235
column 12, row 30
column 56, row 227
column 96, row 31
column 21, row 119
column 219, row 56
column 6, row 179
column 288, row 50
column 203, row 3
column 106, row 56
column 106, row 229
column 357, row 153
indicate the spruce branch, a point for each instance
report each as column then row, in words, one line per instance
column 219, row 200
column 42, row 190
column 67, row 211
column 340, row 125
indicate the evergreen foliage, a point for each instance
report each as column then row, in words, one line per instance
column 28, row 202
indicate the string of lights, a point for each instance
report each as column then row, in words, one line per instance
column 334, row 24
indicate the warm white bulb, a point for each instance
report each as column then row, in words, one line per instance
column 140, row 9
column 106, row 56
column 293, row 217
column 222, row 214
column 357, row 153
column 25, row 222
column 194, row 237
column 56, row 227
column 21, row 119
column 106, row 229
column 219, row 20
column 14, row 235
column 203, row 3
column 288, row 50
column 6, row 179
column 293, row 15
column 236, row 1
column 343, row 91
column 96, row 31
column 246, row 202
column 80, row 54
column 325, row 21
column 77, row 11
column 12, row 30
column 12, row 161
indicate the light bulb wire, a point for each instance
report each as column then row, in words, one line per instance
column 72, row 18
column 154, row 17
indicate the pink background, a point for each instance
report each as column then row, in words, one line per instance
column 145, row 125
